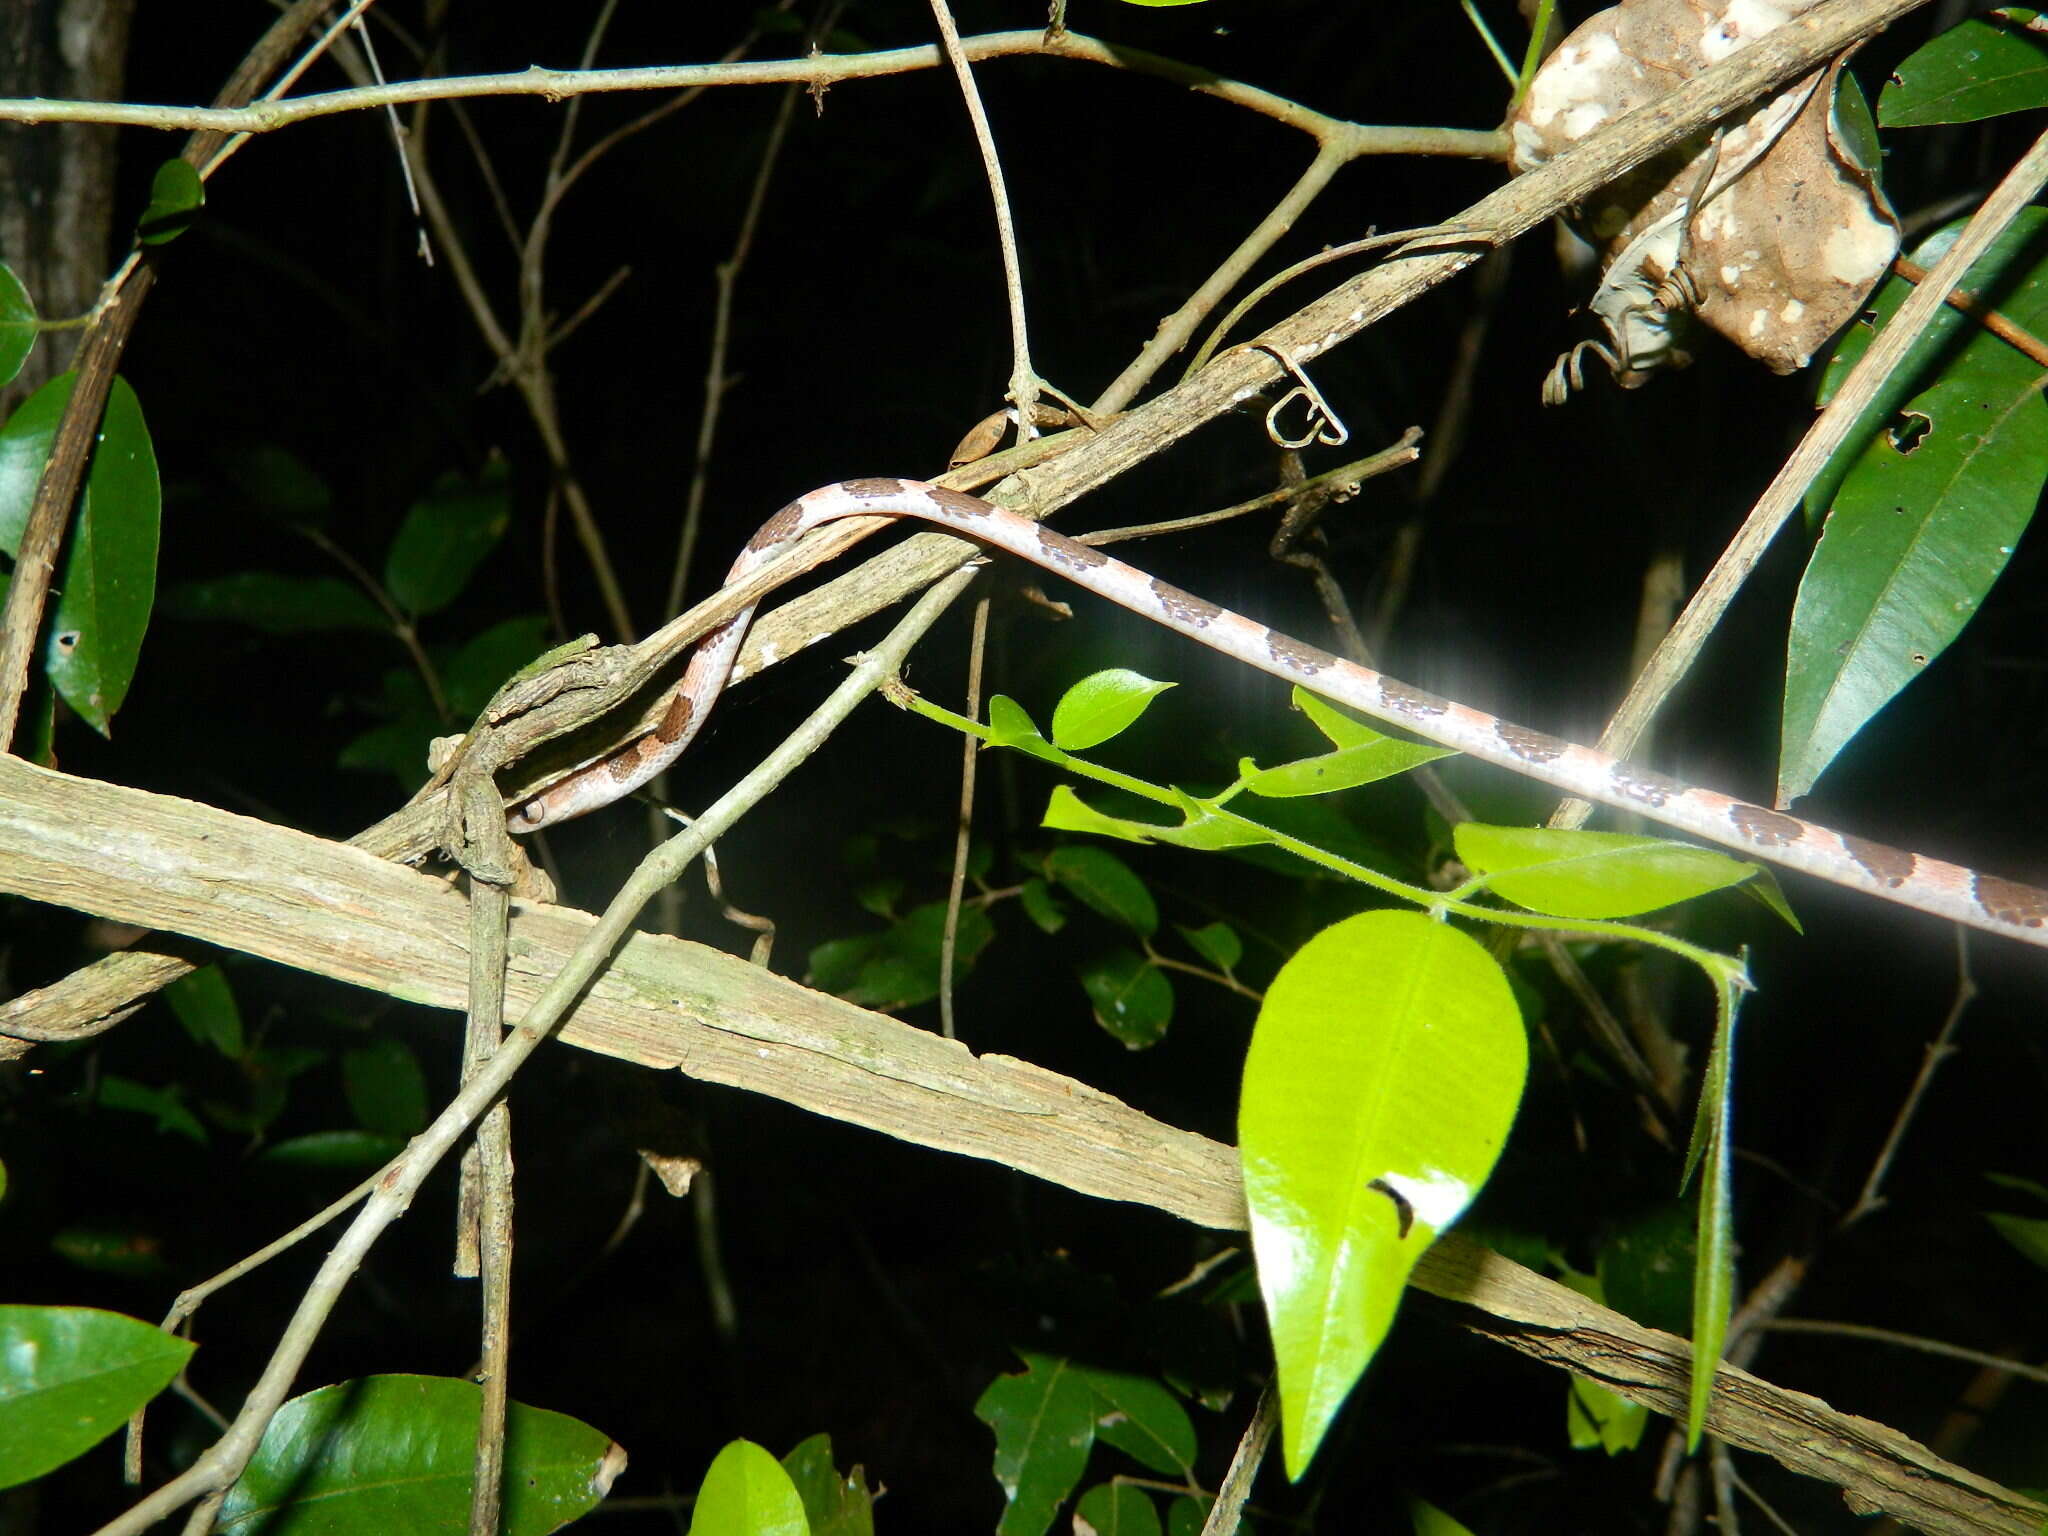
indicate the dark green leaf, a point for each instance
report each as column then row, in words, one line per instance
column 835, row 1503
column 1216, row 943
column 276, row 604
column 472, row 677
column 1646, row 1266
column 278, row 483
column 205, row 1005
column 444, row 537
column 1115, row 1509
column 166, row 1106
column 1985, row 67
column 1428, row 1520
column 387, row 1091
column 1102, row 881
column 176, row 194
column 2029, row 1234
column 1143, row 1420
column 1102, row 706
column 396, row 1453
column 1044, row 1423
column 1189, row 1516
column 1041, row 906
column 900, row 968
column 17, row 325
column 71, row 1376
column 1131, row 996
column 335, row 1149
column 129, row 1252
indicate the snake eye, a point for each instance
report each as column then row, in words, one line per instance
column 528, row 816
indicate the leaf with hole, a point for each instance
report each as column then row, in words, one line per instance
column 1044, row 1423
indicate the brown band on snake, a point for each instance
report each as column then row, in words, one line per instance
column 1930, row 885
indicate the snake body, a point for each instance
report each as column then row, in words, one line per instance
column 1911, row 879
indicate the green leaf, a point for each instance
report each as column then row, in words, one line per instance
column 835, row 1504
column 396, row 1453
column 444, row 537
column 1918, row 534
column 1598, row 1418
column 1216, row 943
column 71, row 1376
column 1100, row 880
column 1115, row 1509
column 1431, row 1521
column 164, row 1105
column 1713, row 1286
column 129, row 1252
column 387, row 1091
column 1646, row 1266
column 1381, row 1082
column 1132, row 997
column 1102, row 706
column 278, row 483
column 2022, row 1186
column 1332, row 771
column 276, row 604
column 205, row 1005
column 746, row 1492
column 108, row 580
column 1143, row 1420
column 1188, row 1515
column 1041, row 906
column 17, row 325
column 1066, row 811
column 1592, row 874
column 1010, row 726
column 176, row 194
column 1341, row 726
column 1985, row 67
column 899, row 968
column 2029, row 1234
column 334, row 1149
column 472, row 676
column 1044, row 1423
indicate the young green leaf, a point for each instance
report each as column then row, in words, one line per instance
column 746, row 1492
column 1344, row 769
column 71, row 1376
column 176, row 194
column 1009, row 726
column 17, row 325
column 1044, row 1423
column 1066, row 811
column 1131, row 996
column 1101, row 880
column 397, row 1453
column 1986, row 66
column 1428, row 1520
column 1592, row 874
column 1116, row 1509
column 1101, row 706
column 1381, row 1082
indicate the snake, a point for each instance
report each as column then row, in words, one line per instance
column 1914, row 880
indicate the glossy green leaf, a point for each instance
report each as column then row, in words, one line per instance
column 1428, row 1520
column 1009, row 726
column 129, row 1252
column 1592, row 874
column 347, row 1150
column 205, row 1005
column 1044, row 1423
column 275, row 603
column 445, row 536
column 17, row 325
column 2012, row 274
column 108, row 580
column 1132, row 997
column 1116, row 1509
column 1340, row 725
column 1985, row 67
column 1381, row 1082
column 1102, row 706
column 1345, row 769
column 1100, row 880
column 396, row 1453
column 71, row 1376
column 166, row 1106
column 1041, row 906
column 1216, row 943
column 176, row 194
column 746, row 1492
column 1066, row 811
column 1143, row 1420
column 835, row 1503
column 387, row 1091
column 1713, row 1287
column 2029, row 1234
column 899, row 968
column 1920, row 530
